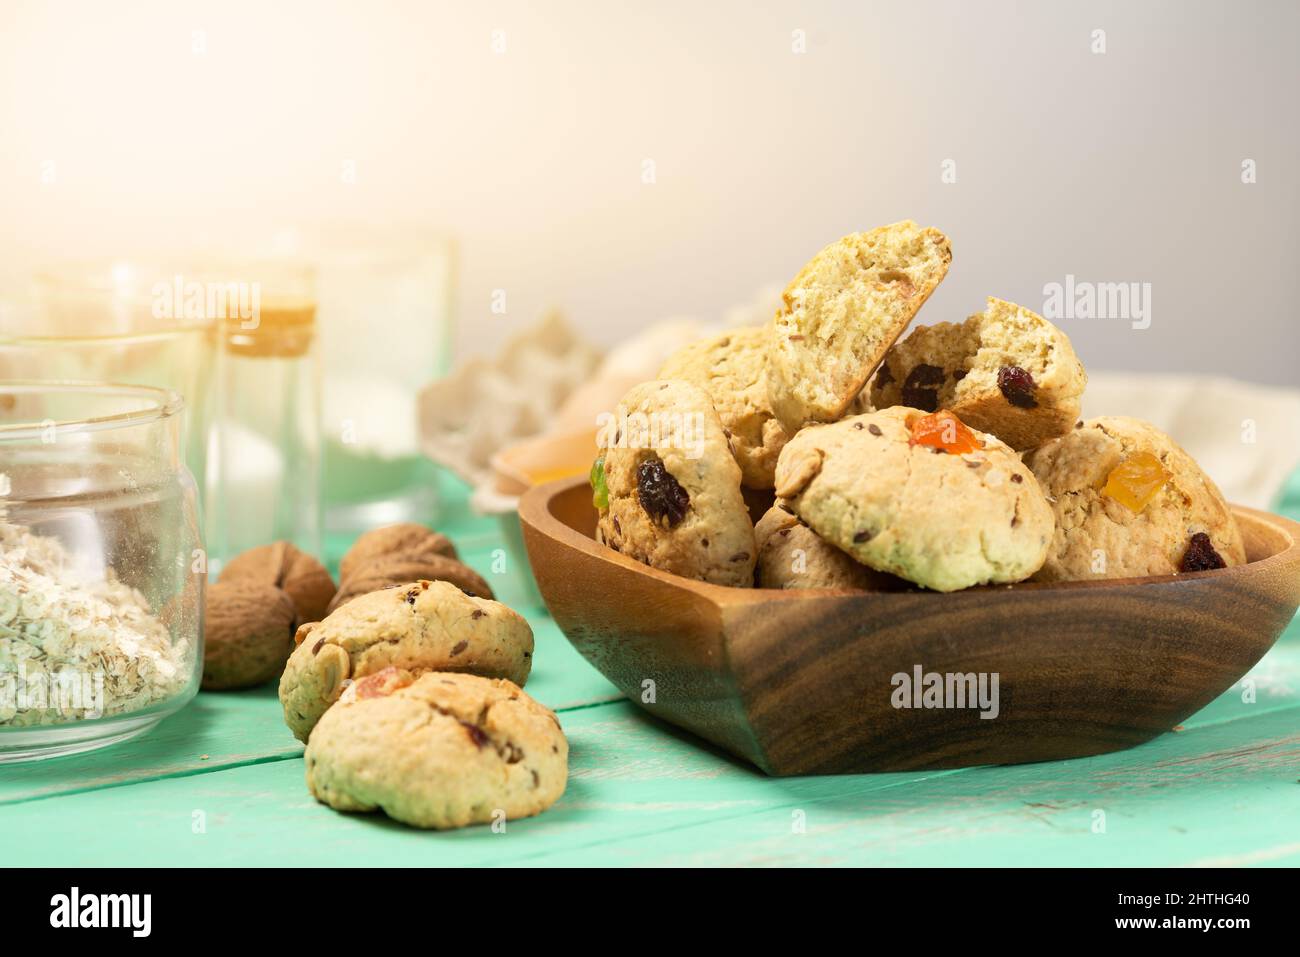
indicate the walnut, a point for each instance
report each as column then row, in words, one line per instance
column 301, row 576
column 402, row 570
column 248, row 634
column 407, row 540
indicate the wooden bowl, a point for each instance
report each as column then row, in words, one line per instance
column 804, row 682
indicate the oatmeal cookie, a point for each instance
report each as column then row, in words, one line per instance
column 1129, row 502
column 840, row 314
column 437, row 750
column 1007, row 371
column 423, row 626
column 791, row 555
column 730, row 369
column 669, row 495
column 919, row 496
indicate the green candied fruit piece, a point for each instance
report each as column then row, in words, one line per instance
column 599, row 490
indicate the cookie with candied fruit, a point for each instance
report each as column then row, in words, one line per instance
column 1129, row 503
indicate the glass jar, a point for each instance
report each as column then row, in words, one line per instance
column 102, row 567
column 116, row 322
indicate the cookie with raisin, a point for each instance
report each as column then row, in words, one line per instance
column 730, row 368
column 437, row 750
column 840, row 314
column 1130, row 502
column 1006, row 370
column 920, row 496
column 668, row 487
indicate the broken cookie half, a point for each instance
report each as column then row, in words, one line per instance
column 842, row 312
column 1007, row 371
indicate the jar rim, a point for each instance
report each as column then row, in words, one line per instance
column 162, row 333
column 163, row 404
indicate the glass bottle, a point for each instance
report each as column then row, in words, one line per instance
column 264, row 464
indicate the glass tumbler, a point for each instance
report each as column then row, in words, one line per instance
column 385, row 301
column 102, row 567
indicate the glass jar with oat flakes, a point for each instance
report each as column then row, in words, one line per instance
column 101, row 566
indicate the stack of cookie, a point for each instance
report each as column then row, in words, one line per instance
column 408, row 695
column 952, row 458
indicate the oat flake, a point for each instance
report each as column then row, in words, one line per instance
column 73, row 648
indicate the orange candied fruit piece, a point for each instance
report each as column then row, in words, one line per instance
column 943, row 430
column 381, row 683
column 1136, row 481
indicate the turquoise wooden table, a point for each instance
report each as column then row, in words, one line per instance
column 221, row 783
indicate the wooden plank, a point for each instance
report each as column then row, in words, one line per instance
column 1223, row 795
column 640, row 793
column 213, row 731
column 629, row 775
column 1274, row 682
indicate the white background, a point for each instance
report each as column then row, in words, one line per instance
column 1122, row 166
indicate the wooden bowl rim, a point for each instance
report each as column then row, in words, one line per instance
column 535, row 510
